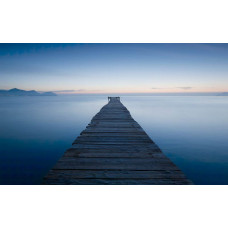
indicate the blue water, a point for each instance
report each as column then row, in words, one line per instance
column 35, row 131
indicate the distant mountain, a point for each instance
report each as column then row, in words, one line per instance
column 19, row 92
column 223, row 94
column 48, row 94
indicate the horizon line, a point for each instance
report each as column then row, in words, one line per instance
column 75, row 92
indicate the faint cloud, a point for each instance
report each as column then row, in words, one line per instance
column 76, row 91
column 80, row 90
column 86, row 90
column 156, row 88
column 180, row 87
column 64, row 91
column 185, row 87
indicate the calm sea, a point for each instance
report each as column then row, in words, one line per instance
column 191, row 130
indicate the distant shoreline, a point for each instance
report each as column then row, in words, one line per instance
column 30, row 93
column 19, row 93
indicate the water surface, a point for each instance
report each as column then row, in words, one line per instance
column 35, row 131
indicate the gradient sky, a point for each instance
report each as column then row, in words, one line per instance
column 110, row 68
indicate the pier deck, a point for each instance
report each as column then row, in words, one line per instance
column 114, row 149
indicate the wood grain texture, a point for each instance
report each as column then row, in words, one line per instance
column 114, row 149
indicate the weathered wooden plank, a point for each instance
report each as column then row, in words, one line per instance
column 120, row 151
column 117, row 125
column 123, row 147
column 115, row 137
column 112, row 139
column 113, row 127
column 115, row 150
column 113, row 155
column 140, row 181
column 113, row 130
column 111, row 143
column 96, row 129
column 115, row 174
column 111, row 134
column 119, row 160
column 115, row 163
column 112, row 123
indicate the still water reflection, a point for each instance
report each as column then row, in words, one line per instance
column 191, row 131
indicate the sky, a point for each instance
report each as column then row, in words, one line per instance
column 115, row 68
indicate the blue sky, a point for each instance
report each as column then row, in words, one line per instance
column 115, row 68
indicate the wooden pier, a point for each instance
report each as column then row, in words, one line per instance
column 114, row 149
